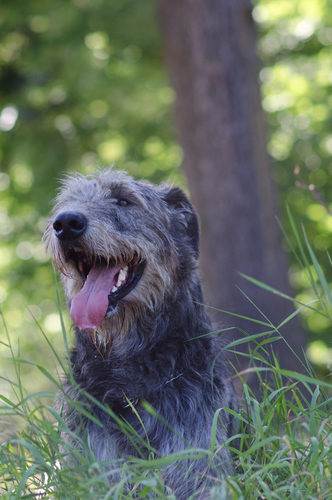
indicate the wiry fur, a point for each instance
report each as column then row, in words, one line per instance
column 154, row 347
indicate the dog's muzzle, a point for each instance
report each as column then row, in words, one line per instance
column 106, row 281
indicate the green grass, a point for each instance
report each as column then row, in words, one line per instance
column 283, row 449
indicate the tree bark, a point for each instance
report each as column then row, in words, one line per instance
column 213, row 67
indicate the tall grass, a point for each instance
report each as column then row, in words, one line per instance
column 283, row 449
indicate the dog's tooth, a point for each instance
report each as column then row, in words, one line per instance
column 114, row 289
column 121, row 278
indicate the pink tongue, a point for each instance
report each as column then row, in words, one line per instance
column 89, row 306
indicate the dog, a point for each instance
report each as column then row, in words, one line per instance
column 128, row 253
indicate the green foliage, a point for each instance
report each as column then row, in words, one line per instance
column 82, row 84
column 295, row 47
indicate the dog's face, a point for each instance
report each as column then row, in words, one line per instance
column 120, row 245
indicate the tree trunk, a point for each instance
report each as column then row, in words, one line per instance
column 213, row 67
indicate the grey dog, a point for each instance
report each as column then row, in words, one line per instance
column 127, row 252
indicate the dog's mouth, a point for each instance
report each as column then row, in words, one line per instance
column 104, row 285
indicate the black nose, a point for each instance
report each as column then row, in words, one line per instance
column 69, row 226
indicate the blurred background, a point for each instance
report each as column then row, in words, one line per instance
column 83, row 84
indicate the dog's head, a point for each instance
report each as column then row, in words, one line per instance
column 121, row 246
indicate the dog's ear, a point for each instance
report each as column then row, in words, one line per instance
column 185, row 213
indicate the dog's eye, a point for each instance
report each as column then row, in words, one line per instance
column 123, row 203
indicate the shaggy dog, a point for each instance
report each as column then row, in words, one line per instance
column 127, row 252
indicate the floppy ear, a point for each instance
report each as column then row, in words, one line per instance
column 185, row 214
